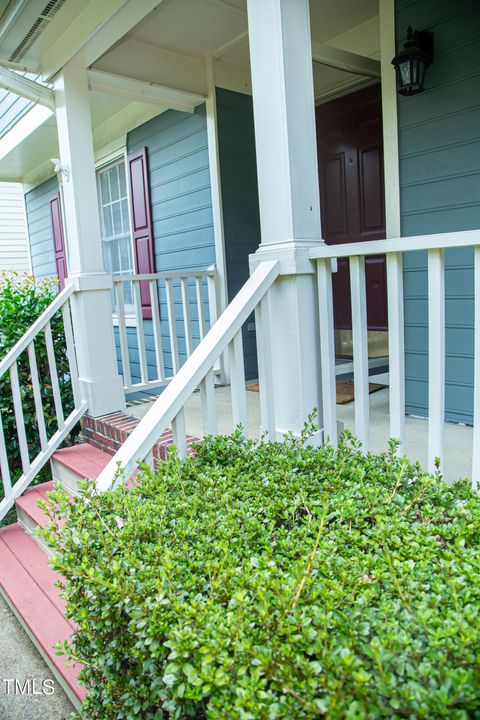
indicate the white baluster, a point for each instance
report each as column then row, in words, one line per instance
column 4, row 468
column 237, row 382
column 187, row 323
column 71, row 355
column 360, row 349
column 179, row 434
column 52, row 365
column 207, row 400
column 17, row 406
column 264, row 355
column 436, row 356
column 172, row 325
column 122, row 331
column 396, row 347
column 200, row 306
column 327, row 350
column 37, row 397
column 157, row 330
column 476, row 392
column 142, row 355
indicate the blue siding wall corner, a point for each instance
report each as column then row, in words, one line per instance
column 439, row 141
column 241, row 216
column 37, row 205
column 182, row 217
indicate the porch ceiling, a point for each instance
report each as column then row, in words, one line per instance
column 168, row 47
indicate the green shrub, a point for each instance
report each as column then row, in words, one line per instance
column 263, row 581
column 22, row 301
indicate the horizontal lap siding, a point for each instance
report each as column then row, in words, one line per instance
column 241, row 219
column 13, row 232
column 181, row 215
column 37, row 204
column 439, row 140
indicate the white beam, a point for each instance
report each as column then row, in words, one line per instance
column 29, row 89
column 141, row 91
column 344, row 60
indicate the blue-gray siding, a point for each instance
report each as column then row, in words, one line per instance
column 37, row 204
column 439, row 139
column 181, row 211
column 236, row 141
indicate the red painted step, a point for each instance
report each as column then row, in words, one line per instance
column 28, row 502
column 29, row 585
column 83, row 459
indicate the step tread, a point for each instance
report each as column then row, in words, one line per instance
column 40, row 613
column 28, row 502
column 34, row 561
column 84, row 460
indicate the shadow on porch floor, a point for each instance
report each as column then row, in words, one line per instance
column 458, row 438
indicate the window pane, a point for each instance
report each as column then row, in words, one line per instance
column 114, row 187
column 104, row 188
column 107, row 222
column 115, row 258
column 125, row 217
column 107, row 257
column 123, row 180
column 117, row 219
column 125, row 258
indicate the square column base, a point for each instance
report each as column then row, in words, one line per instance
column 103, row 396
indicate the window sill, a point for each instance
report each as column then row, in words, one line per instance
column 130, row 320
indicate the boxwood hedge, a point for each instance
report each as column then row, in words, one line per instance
column 262, row 580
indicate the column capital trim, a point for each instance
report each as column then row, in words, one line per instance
column 293, row 255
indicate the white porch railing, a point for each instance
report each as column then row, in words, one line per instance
column 197, row 372
column 394, row 250
column 49, row 441
column 189, row 299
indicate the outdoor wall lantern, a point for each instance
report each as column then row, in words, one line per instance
column 411, row 62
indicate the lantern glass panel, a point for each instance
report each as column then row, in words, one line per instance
column 405, row 72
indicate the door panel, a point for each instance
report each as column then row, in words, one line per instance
column 350, row 162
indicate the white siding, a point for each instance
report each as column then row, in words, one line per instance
column 13, row 232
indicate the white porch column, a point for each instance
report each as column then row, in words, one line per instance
column 100, row 383
column 283, row 103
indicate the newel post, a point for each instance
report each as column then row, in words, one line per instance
column 100, row 384
column 283, row 104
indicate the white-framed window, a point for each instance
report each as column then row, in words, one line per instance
column 115, row 222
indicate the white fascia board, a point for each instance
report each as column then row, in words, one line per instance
column 345, row 60
column 23, row 128
column 141, row 91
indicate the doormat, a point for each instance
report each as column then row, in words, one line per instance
column 346, row 391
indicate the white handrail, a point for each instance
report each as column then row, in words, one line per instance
column 33, row 331
column 172, row 401
column 31, row 466
column 440, row 241
column 435, row 246
column 187, row 304
column 207, row 272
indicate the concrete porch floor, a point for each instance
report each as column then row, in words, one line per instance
column 458, row 438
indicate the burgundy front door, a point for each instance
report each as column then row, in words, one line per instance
column 350, row 163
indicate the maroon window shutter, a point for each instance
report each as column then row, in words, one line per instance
column 141, row 222
column 58, row 239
